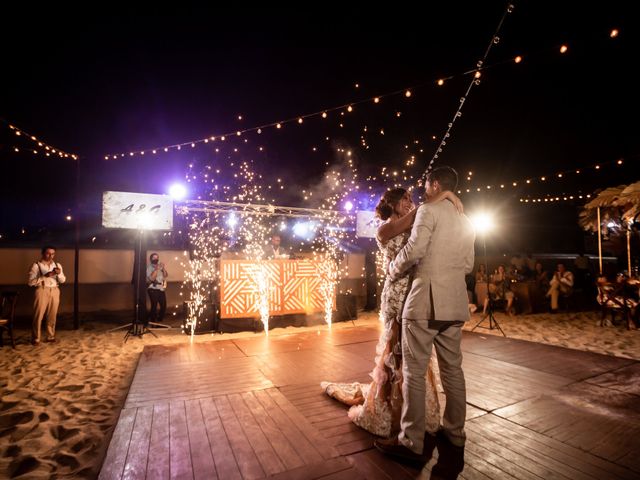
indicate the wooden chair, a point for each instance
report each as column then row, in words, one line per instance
column 7, row 313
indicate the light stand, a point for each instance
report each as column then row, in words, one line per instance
column 493, row 323
column 136, row 328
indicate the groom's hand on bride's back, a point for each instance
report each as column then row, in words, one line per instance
column 392, row 274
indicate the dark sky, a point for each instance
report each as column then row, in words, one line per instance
column 106, row 82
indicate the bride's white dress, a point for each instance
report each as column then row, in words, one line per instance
column 377, row 406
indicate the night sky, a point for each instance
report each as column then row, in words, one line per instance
column 109, row 83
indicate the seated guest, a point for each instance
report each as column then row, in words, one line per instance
column 499, row 289
column 561, row 284
column 541, row 277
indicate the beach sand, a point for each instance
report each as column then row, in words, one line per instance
column 60, row 402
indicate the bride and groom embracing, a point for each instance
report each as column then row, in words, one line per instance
column 427, row 252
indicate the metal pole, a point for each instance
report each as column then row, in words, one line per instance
column 599, row 242
column 629, row 250
column 76, row 254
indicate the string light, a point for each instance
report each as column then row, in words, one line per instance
column 475, row 81
column 44, row 148
column 550, row 198
column 559, row 175
column 407, row 92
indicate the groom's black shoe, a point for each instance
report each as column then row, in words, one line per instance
column 393, row 447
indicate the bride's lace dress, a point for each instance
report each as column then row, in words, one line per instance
column 376, row 407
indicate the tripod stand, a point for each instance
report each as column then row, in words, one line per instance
column 493, row 323
column 137, row 328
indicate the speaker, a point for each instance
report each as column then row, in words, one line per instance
column 346, row 308
column 208, row 321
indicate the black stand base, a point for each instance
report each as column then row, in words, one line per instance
column 137, row 330
column 493, row 323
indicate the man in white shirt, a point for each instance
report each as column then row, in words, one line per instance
column 45, row 275
column 561, row 284
column 275, row 249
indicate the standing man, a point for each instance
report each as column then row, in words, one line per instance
column 156, row 286
column 45, row 275
column 441, row 247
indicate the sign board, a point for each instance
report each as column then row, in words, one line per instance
column 366, row 224
column 141, row 211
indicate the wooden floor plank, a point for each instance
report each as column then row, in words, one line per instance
column 179, row 448
column 482, row 444
column 271, row 463
column 279, row 441
column 625, row 379
column 248, row 463
column 367, row 468
column 201, row 456
column 393, row 469
column 309, row 432
column 138, row 454
column 557, row 455
column 117, row 453
column 158, row 465
column 223, row 455
column 314, row 471
column 301, row 444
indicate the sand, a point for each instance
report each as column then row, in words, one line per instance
column 60, row 402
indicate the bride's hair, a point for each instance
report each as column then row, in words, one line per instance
column 388, row 202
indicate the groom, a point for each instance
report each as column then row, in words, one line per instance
column 441, row 247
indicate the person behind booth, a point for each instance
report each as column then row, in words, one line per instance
column 156, row 286
column 275, row 249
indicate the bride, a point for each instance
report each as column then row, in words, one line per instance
column 376, row 407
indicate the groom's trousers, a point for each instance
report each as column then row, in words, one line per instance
column 418, row 337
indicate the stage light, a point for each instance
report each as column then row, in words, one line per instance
column 283, row 226
column 304, row 230
column 483, row 222
column 348, row 206
column 145, row 222
column 232, row 221
column 177, row 191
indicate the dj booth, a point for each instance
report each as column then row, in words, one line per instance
column 294, row 290
column 294, row 286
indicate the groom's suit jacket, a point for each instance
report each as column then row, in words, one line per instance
column 441, row 248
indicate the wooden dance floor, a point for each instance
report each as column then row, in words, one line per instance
column 253, row 408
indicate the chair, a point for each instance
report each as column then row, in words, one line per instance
column 566, row 301
column 7, row 313
column 613, row 299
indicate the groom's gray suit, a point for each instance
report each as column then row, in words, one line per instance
column 441, row 247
